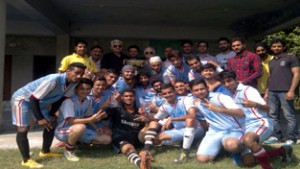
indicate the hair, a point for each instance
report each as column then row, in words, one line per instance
column 174, row 53
column 208, row 66
column 227, row 74
column 115, row 41
column 85, row 81
column 101, row 78
column 278, row 41
column 197, row 81
column 191, row 57
column 113, row 71
column 185, row 42
column 97, row 46
column 80, row 41
column 76, row 64
column 128, row 91
column 223, row 39
column 149, row 47
column 133, row 46
column 179, row 81
column 143, row 73
column 260, row 44
column 242, row 40
column 155, row 81
column 166, row 86
column 202, row 41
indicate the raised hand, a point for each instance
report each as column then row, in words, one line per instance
column 247, row 103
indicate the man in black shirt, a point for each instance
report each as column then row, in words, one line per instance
column 129, row 125
column 115, row 59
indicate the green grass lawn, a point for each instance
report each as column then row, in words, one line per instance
column 106, row 158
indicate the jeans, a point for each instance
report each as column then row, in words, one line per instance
column 276, row 100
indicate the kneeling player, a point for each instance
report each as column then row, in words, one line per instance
column 74, row 114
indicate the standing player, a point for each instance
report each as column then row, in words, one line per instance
column 258, row 125
column 34, row 99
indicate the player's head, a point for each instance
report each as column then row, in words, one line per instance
column 155, row 63
column 128, row 97
column 111, row 77
column 144, row 78
column 238, row 45
column 75, row 72
column 260, row 49
column 181, row 88
column 175, row 58
column 193, row 62
column 199, row 88
column 278, row 46
column 168, row 92
column 208, row 71
column 80, row 47
column 128, row 72
column 99, row 85
column 156, row 85
column 83, row 88
column 224, row 44
column 187, row 46
column 229, row 80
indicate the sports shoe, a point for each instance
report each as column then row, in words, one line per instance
column 145, row 159
column 271, row 140
column 70, row 155
column 182, row 158
column 287, row 157
column 43, row 155
column 32, row 164
column 289, row 142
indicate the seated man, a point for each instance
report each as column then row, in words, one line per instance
column 74, row 114
column 129, row 131
column 172, row 115
column 127, row 80
column 220, row 111
column 158, row 99
column 258, row 125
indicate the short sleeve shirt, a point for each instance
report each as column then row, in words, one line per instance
column 87, row 61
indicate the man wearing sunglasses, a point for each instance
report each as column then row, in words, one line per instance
column 115, row 59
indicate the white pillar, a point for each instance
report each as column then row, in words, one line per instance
column 2, row 53
column 62, row 47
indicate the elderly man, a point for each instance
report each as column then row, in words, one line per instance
column 157, row 68
column 114, row 59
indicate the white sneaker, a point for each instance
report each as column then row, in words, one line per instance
column 70, row 155
column 289, row 142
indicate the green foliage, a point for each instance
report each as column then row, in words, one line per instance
column 290, row 36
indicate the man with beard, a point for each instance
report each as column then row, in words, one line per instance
column 284, row 78
column 143, row 91
column 187, row 48
column 96, row 55
column 158, row 99
column 157, row 68
column 35, row 98
column 226, row 52
column 127, row 80
column 245, row 64
column 203, row 54
column 129, row 131
column 261, row 50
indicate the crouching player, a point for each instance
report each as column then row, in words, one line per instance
column 74, row 114
column 220, row 111
column 131, row 129
column 258, row 125
column 173, row 113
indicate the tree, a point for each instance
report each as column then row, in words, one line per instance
column 290, row 36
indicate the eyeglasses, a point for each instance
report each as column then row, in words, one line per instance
column 146, row 53
column 117, row 46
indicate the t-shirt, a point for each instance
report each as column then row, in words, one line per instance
column 280, row 72
column 223, row 58
column 112, row 61
column 87, row 61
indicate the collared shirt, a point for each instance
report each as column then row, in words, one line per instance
column 247, row 67
column 263, row 80
column 112, row 61
column 87, row 61
column 98, row 63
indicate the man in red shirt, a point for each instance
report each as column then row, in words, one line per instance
column 245, row 64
